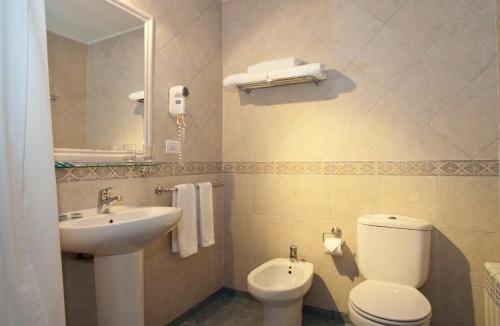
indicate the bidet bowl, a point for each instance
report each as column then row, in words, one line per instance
column 280, row 285
column 280, row 280
column 124, row 229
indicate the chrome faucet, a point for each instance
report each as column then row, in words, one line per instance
column 293, row 253
column 104, row 200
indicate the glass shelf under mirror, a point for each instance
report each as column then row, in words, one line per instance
column 69, row 165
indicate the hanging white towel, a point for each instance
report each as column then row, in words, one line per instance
column 185, row 234
column 231, row 81
column 206, row 236
column 275, row 64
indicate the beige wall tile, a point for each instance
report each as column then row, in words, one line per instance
column 462, row 255
column 186, row 12
column 115, row 68
column 465, row 48
column 485, row 8
column 490, row 152
column 310, row 197
column 203, row 36
column 78, row 283
column 470, row 121
column 411, row 196
column 460, row 304
column 166, row 25
column 383, row 10
column 381, row 134
column 349, row 29
column 354, row 196
column 272, row 195
column 236, row 269
column 469, row 203
column 431, row 287
column 167, row 291
column 67, row 64
column 330, row 289
column 423, row 20
column 238, row 236
column 271, row 236
column 238, row 193
column 429, row 145
column 387, row 56
column 236, row 11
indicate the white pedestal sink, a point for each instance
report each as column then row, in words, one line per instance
column 116, row 240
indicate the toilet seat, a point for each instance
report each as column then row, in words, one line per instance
column 389, row 303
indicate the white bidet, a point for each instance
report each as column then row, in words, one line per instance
column 280, row 284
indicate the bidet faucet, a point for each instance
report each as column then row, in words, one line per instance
column 104, row 200
column 293, row 253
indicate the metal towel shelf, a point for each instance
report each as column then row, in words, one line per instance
column 159, row 189
column 248, row 87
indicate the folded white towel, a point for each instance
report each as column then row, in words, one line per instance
column 185, row 234
column 313, row 69
column 136, row 96
column 269, row 65
column 206, row 236
column 232, row 80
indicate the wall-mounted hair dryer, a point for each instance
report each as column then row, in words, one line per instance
column 177, row 103
column 177, row 110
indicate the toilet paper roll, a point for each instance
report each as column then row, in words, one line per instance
column 333, row 246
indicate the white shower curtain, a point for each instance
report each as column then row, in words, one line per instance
column 30, row 265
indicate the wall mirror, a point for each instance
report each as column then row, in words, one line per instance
column 100, row 75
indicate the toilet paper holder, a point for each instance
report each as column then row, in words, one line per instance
column 336, row 232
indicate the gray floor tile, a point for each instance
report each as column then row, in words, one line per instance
column 228, row 310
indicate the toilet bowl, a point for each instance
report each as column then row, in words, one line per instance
column 375, row 303
column 394, row 256
column 280, row 284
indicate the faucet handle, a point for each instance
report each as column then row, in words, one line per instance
column 104, row 193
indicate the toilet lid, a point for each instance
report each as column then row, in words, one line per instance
column 390, row 301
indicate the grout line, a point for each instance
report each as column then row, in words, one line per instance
column 181, row 30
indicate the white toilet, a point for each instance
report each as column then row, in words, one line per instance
column 393, row 255
column 280, row 284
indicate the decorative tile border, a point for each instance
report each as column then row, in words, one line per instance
column 126, row 172
column 402, row 168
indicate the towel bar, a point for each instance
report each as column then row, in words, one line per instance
column 159, row 189
column 248, row 87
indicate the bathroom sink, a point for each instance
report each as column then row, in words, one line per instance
column 124, row 229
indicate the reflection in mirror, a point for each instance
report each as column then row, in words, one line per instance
column 96, row 60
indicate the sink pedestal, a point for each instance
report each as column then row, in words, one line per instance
column 119, row 282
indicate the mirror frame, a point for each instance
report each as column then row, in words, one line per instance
column 94, row 155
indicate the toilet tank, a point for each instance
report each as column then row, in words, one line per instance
column 394, row 248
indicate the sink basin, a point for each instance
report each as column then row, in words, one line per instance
column 124, row 230
column 117, row 239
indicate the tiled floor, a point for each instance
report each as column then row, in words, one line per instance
column 228, row 310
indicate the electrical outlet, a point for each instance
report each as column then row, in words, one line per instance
column 172, row 146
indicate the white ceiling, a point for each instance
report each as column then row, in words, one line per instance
column 88, row 21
